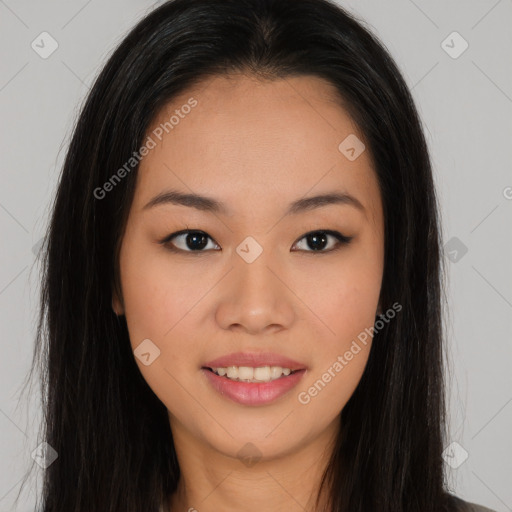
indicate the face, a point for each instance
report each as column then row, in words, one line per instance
column 263, row 268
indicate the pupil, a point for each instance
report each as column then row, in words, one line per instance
column 313, row 241
column 196, row 238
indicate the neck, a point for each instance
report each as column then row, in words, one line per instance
column 211, row 481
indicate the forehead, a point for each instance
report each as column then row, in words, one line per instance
column 250, row 141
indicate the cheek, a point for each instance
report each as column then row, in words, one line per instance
column 344, row 302
column 156, row 296
column 343, row 347
column 343, row 296
column 158, row 306
column 350, row 310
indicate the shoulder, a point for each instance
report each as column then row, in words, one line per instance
column 466, row 506
column 473, row 507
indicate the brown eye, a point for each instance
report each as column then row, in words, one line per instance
column 196, row 241
column 188, row 241
column 318, row 240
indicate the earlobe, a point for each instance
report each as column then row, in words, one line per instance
column 117, row 306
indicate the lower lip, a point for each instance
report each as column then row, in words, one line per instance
column 253, row 393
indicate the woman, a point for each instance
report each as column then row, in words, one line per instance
column 241, row 303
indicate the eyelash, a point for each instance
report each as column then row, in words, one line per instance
column 342, row 240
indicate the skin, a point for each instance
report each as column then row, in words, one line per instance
column 256, row 146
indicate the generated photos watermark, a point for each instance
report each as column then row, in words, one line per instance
column 304, row 397
column 149, row 144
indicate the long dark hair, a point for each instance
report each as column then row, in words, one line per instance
column 110, row 431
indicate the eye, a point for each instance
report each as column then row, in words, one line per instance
column 190, row 240
column 319, row 239
column 197, row 241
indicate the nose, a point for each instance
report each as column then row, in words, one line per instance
column 257, row 298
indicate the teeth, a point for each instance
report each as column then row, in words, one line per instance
column 249, row 374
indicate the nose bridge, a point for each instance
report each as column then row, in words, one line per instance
column 257, row 296
column 255, row 280
column 256, row 277
column 252, row 258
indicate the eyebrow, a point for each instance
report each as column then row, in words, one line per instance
column 209, row 204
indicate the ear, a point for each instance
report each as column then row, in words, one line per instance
column 117, row 304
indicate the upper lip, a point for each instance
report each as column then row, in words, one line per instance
column 254, row 359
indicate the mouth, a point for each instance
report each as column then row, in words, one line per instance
column 250, row 374
column 252, row 386
column 253, row 360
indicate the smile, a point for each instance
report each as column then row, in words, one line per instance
column 252, row 386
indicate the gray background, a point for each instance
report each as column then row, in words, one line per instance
column 466, row 106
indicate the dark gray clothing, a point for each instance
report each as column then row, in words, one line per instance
column 466, row 506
